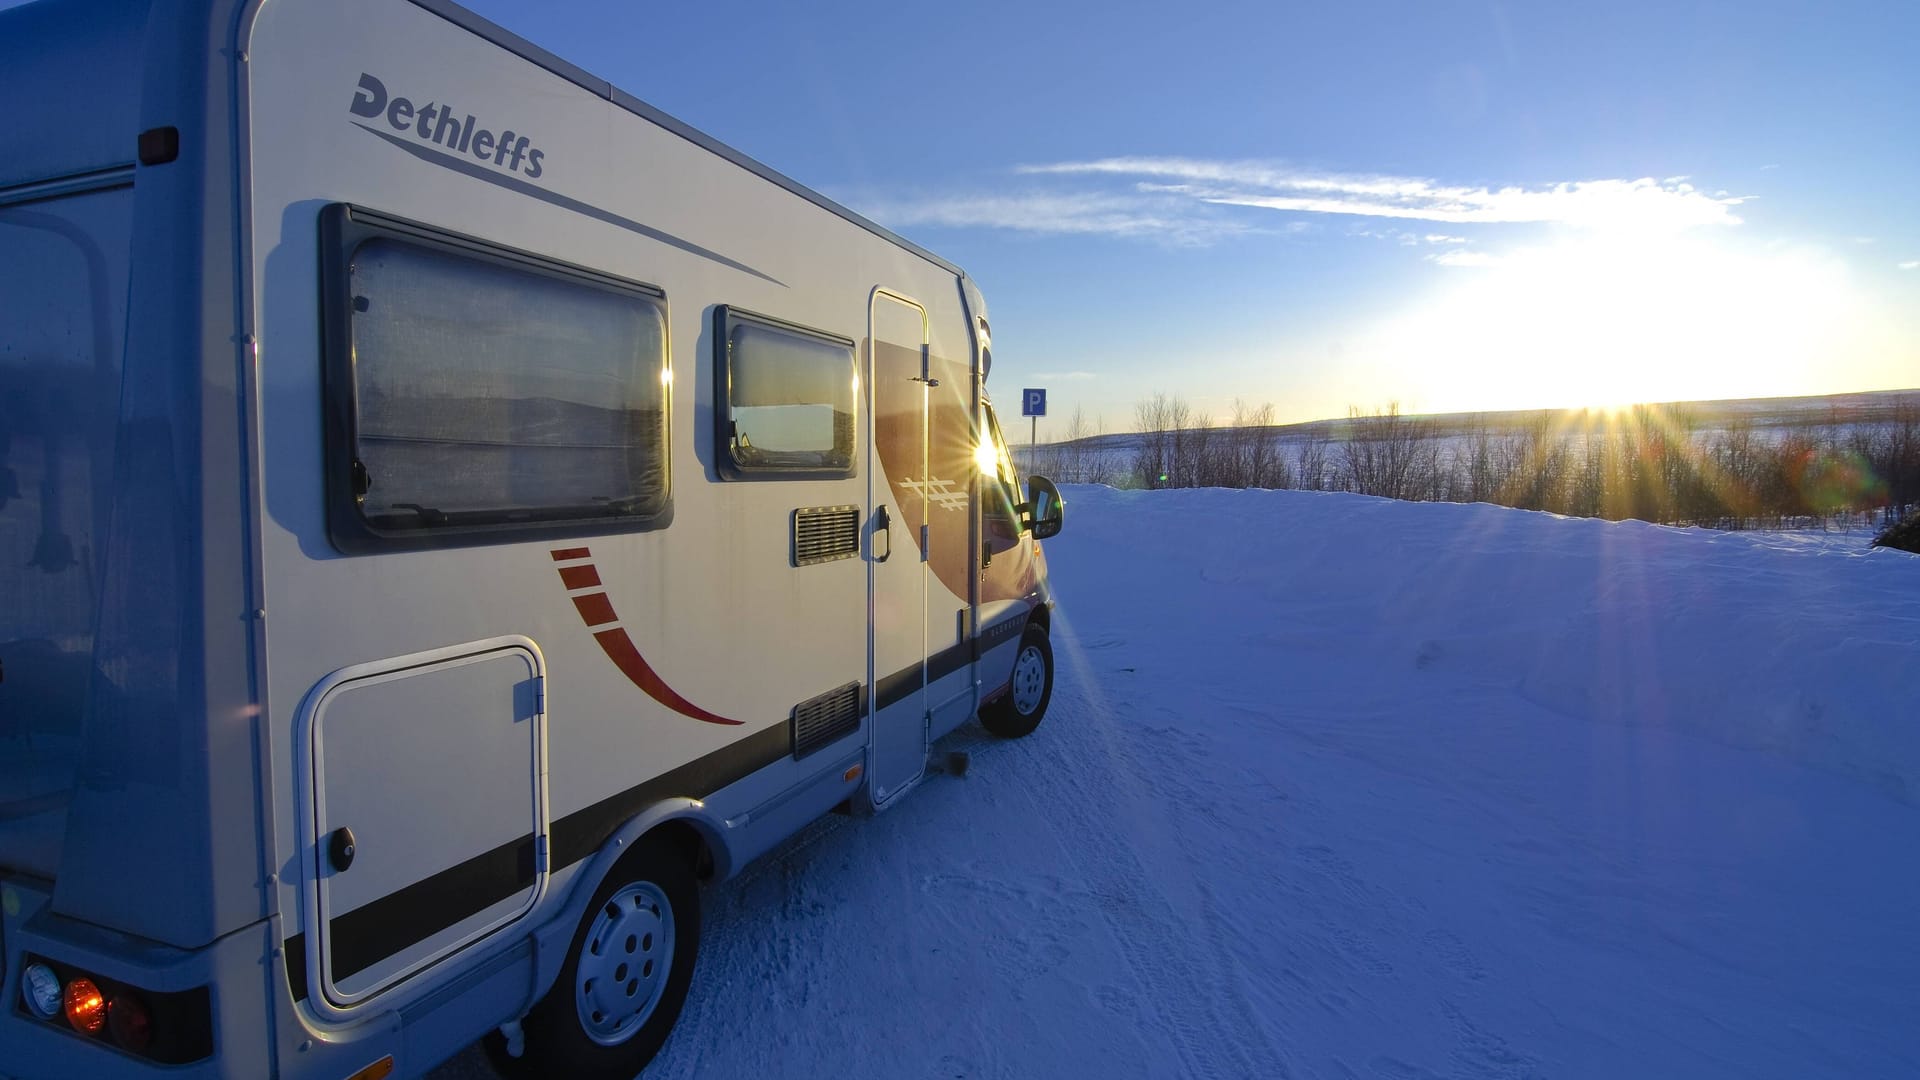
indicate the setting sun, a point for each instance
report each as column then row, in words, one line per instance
column 1596, row 321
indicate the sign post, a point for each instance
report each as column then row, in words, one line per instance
column 1033, row 402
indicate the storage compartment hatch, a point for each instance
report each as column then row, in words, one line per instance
column 428, row 811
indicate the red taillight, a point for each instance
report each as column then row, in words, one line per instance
column 86, row 1008
column 129, row 1022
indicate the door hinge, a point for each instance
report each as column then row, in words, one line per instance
column 539, row 695
column 924, row 550
column 540, row 865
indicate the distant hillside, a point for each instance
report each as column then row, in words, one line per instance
column 1837, row 410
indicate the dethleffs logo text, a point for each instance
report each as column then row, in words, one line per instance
column 437, row 123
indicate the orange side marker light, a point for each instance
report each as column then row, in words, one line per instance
column 86, row 1007
column 379, row 1070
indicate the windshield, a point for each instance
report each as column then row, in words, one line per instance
column 62, row 310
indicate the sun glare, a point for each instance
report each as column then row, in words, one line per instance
column 1603, row 322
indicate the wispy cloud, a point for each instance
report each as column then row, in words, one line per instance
column 1605, row 203
column 1461, row 257
column 1129, row 214
column 1910, row 264
column 1196, row 202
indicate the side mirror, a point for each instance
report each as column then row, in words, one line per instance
column 1048, row 510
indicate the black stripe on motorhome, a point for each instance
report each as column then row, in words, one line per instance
column 998, row 634
column 369, row 934
column 906, row 682
column 535, row 191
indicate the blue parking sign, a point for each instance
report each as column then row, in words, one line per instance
column 1033, row 402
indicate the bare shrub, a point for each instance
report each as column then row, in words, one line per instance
column 1078, row 458
column 1389, row 455
column 1246, row 454
column 1311, row 470
column 1891, row 450
column 1475, row 475
column 1157, row 419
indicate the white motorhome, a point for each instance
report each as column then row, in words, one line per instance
column 448, row 509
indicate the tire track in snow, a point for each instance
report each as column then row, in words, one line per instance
column 1181, row 967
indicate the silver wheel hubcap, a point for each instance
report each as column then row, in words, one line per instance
column 1029, row 680
column 624, row 963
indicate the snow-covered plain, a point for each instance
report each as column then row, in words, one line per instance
column 1337, row 787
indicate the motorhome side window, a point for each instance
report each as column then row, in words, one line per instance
column 492, row 398
column 787, row 410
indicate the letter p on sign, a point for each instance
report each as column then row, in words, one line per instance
column 1033, row 402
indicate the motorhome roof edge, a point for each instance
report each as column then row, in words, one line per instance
column 507, row 39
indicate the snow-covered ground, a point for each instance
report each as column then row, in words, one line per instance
column 1337, row 787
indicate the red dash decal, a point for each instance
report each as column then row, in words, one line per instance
column 620, row 649
column 595, row 609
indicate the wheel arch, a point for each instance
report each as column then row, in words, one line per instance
column 685, row 825
column 1042, row 617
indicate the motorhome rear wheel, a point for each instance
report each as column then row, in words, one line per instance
column 625, row 978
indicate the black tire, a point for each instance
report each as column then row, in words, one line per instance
column 1032, row 669
column 558, row 1042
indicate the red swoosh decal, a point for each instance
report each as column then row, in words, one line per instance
column 597, row 610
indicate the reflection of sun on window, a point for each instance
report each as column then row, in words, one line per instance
column 987, row 459
column 790, row 399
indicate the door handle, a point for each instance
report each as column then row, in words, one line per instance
column 882, row 523
column 340, row 849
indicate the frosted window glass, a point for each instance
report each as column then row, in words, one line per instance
column 488, row 393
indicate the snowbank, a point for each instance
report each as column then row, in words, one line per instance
column 1787, row 643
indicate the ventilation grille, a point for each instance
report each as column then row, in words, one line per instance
column 825, row 533
column 821, row 720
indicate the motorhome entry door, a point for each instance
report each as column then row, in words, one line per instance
column 898, row 490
